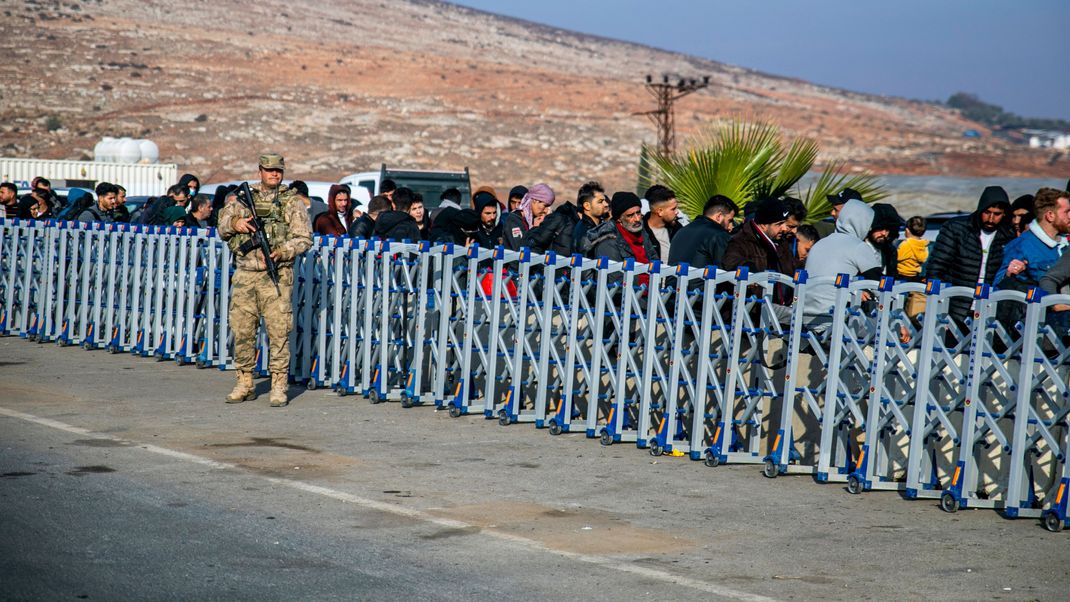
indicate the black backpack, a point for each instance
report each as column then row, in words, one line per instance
column 152, row 213
column 71, row 212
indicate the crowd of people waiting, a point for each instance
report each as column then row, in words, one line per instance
column 1007, row 245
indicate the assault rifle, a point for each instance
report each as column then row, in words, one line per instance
column 258, row 239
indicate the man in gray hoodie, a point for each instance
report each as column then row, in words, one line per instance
column 843, row 252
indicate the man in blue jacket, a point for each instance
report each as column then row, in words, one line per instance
column 1027, row 258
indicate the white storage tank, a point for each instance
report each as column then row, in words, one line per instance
column 104, row 150
column 150, row 153
column 126, row 150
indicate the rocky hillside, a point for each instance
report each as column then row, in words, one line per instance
column 341, row 85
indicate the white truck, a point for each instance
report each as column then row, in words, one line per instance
column 139, row 179
column 429, row 184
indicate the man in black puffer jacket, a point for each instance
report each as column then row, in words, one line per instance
column 398, row 224
column 702, row 242
column 555, row 232
column 969, row 249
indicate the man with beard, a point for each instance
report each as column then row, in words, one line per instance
column 969, row 250
column 885, row 229
column 622, row 237
column 755, row 244
column 594, row 209
column 1028, row 257
column 489, row 232
column 662, row 222
column 9, row 198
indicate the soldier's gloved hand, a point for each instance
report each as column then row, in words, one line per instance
column 244, row 225
column 282, row 253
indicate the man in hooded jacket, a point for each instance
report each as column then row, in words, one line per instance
column 969, row 249
column 845, row 251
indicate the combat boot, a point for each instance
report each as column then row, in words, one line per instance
column 279, row 387
column 244, row 390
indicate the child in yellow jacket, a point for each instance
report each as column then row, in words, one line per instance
column 913, row 251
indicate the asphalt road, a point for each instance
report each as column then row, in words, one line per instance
column 124, row 478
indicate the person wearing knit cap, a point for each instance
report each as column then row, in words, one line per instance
column 535, row 204
column 622, row 237
column 482, row 193
column 1022, row 213
column 754, row 245
column 515, row 196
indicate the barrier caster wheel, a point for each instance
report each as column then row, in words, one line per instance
column 311, row 385
column 180, row 361
column 406, row 401
column 87, row 345
column 62, row 343
column 504, row 419
column 455, row 412
column 374, row 398
column 949, row 503
column 1052, row 522
column 711, row 460
column 342, row 392
column 555, row 429
column 605, row 438
column 770, row 470
column 200, row 363
column 656, row 450
column 854, row 485
column 113, row 350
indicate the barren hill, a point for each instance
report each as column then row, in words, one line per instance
column 341, row 85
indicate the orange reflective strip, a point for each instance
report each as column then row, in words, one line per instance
column 610, row 417
column 716, row 434
column 1062, row 490
column 776, row 442
column 661, row 427
column 955, row 479
column 861, row 457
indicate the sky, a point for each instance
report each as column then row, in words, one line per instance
column 1013, row 53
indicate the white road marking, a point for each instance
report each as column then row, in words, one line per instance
column 363, row 502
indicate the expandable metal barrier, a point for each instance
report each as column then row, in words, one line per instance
column 718, row 366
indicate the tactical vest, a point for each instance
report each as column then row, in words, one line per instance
column 271, row 210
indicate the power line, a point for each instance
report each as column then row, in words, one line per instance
column 667, row 93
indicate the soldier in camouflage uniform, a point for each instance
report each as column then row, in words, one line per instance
column 252, row 292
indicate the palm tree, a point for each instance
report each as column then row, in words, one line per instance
column 748, row 160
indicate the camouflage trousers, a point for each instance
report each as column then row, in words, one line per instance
column 252, row 295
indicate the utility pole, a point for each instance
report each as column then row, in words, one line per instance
column 667, row 93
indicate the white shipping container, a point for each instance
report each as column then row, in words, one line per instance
column 138, row 179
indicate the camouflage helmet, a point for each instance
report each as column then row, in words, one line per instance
column 272, row 161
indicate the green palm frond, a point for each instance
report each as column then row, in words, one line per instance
column 745, row 160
